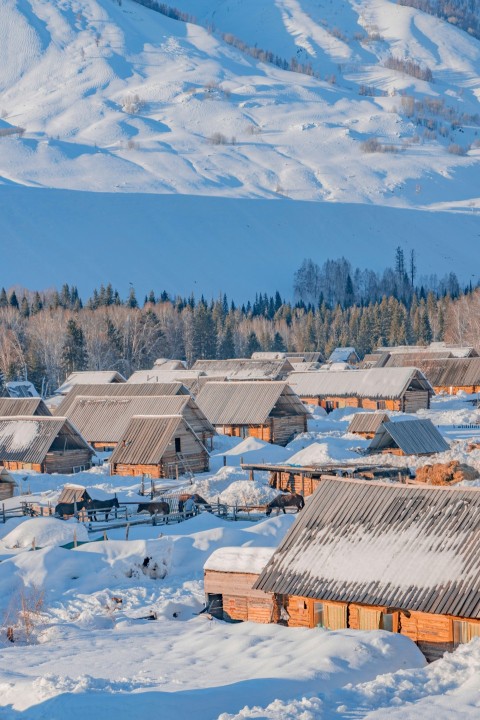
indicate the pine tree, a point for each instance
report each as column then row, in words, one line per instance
column 278, row 344
column 204, row 333
column 3, row 298
column 226, row 344
column 24, row 307
column 132, row 299
column 37, row 304
column 13, row 300
column 252, row 344
column 74, row 353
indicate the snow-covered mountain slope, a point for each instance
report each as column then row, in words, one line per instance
column 113, row 96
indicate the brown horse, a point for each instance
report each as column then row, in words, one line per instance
column 155, row 508
column 286, row 500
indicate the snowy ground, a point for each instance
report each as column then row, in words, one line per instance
column 115, row 635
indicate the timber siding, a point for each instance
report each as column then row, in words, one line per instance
column 268, row 410
column 373, row 555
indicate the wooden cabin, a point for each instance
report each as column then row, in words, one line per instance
column 344, row 355
column 267, row 410
column 369, row 556
column 162, row 446
column 367, row 424
column 90, row 377
column 119, row 390
column 402, row 389
column 245, row 368
column 104, row 420
column 229, row 576
column 408, row 437
column 9, row 407
column 44, row 444
column 7, row 485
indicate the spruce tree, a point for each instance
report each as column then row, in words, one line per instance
column 253, row 344
column 13, row 300
column 3, row 298
column 74, row 353
column 132, row 299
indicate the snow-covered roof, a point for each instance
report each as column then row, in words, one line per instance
column 21, row 389
column 343, row 354
column 28, row 439
column 413, row 437
column 250, row 560
column 384, row 545
column 119, row 390
column 245, row 368
column 372, row 383
column 90, row 377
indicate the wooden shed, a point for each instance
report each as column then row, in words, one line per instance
column 367, row 424
column 403, row 389
column 119, row 390
column 7, row 484
column 10, row 407
column 90, row 377
column 229, row 576
column 267, row 410
column 369, row 556
column 344, row 355
column 44, row 444
column 104, row 420
column 163, row 446
column 408, row 437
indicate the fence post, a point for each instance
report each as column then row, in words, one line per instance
column 105, row 536
column 127, row 530
column 3, row 513
column 75, row 538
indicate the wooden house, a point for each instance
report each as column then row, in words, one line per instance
column 454, row 374
column 267, row 410
column 7, row 485
column 119, row 390
column 344, row 355
column 44, row 444
column 245, row 368
column 403, row 389
column 408, row 437
column 367, row 424
column 229, row 576
column 159, row 447
column 368, row 556
column 103, row 420
column 90, row 377
column 9, row 407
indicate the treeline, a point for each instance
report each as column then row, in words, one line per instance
column 44, row 337
column 465, row 14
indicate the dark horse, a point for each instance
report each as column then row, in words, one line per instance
column 63, row 509
column 155, row 508
column 102, row 506
column 197, row 499
column 286, row 500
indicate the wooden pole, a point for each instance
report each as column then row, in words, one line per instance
column 3, row 513
column 105, row 536
column 33, row 544
column 75, row 538
column 127, row 530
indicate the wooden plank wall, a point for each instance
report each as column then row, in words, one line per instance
column 240, row 601
column 64, row 462
column 284, row 428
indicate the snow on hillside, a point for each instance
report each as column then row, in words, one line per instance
column 117, row 97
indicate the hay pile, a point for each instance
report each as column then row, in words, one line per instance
column 446, row 473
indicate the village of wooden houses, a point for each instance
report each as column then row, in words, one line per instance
column 284, row 493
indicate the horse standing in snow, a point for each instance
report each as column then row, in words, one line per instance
column 286, row 500
column 155, row 508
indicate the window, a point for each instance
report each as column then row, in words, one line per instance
column 381, row 405
column 389, row 621
column 317, row 614
column 178, row 445
column 464, row 631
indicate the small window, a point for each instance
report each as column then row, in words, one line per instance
column 318, row 614
column 381, row 405
column 178, row 445
column 389, row 622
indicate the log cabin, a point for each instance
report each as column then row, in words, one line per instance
column 44, row 444
column 402, row 389
column 89, row 377
column 162, row 446
column 104, row 420
column 118, row 390
column 229, row 576
column 267, row 410
column 344, row 355
column 366, row 555
column 7, row 485
column 408, row 437
column 367, row 424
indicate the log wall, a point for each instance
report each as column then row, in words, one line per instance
column 454, row 389
column 240, row 601
column 284, row 428
column 65, row 462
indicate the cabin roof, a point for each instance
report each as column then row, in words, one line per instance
column 160, row 374
column 73, row 493
column 244, row 368
column 147, row 438
column 367, row 422
column 454, row 372
column 23, row 406
column 384, row 545
column 249, row 560
column 120, row 390
column 20, row 389
column 90, row 377
column 247, row 403
column 342, row 354
column 28, row 439
column 105, row 418
column 413, row 437
column 386, row 383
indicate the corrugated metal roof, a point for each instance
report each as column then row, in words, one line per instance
column 160, row 375
column 454, row 372
column 367, row 422
column 146, row 439
column 90, row 377
column 105, row 419
column 245, row 368
column 120, row 390
column 23, row 406
column 386, row 383
column 420, row 360
column 247, row 403
column 385, row 545
column 456, row 350
column 413, row 437
column 28, row 439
